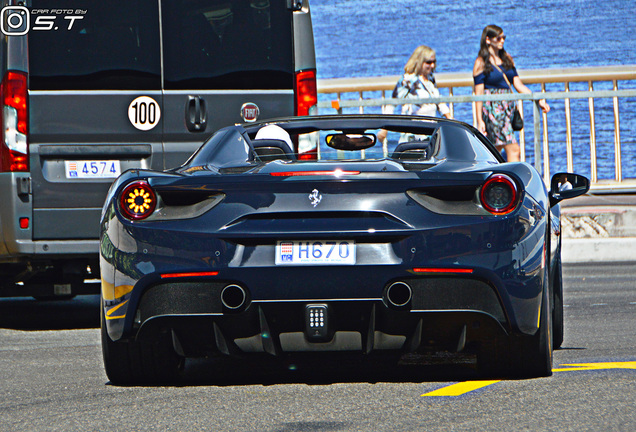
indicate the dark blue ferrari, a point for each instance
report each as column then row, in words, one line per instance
column 423, row 240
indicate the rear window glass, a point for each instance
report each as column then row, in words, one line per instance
column 111, row 44
column 208, row 44
column 238, row 44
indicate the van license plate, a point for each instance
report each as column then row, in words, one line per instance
column 92, row 169
column 316, row 252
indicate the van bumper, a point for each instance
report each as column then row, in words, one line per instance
column 17, row 243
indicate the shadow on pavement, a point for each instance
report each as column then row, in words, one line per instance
column 325, row 370
column 81, row 312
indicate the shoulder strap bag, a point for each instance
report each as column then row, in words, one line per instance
column 517, row 120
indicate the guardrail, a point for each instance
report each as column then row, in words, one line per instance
column 369, row 95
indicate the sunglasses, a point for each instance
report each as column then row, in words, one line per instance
column 500, row 38
column 430, row 61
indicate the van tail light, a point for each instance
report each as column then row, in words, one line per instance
column 306, row 97
column 306, row 91
column 14, row 155
column 499, row 194
column 137, row 201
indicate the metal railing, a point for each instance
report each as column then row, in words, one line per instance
column 369, row 95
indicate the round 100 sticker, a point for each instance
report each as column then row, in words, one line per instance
column 144, row 113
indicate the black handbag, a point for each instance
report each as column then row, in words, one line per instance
column 517, row 120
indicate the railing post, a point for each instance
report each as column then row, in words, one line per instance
column 617, row 139
column 385, row 142
column 568, row 131
column 522, row 133
column 475, row 113
column 594, row 178
column 546, row 147
column 536, row 117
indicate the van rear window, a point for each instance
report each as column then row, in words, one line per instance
column 114, row 45
column 208, row 44
column 239, row 44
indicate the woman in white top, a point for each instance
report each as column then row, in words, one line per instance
column 418, row 82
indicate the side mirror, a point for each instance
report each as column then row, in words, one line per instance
column 567, row 185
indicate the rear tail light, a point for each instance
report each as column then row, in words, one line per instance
column 335, row 173
column 499, row 194
column 188, row 274
column 13, row 149
column 443, row 270
column 306, row 92
column 306, row 97
column 308, row 155
column 137, row 201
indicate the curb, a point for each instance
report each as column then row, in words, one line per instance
column 595, row 250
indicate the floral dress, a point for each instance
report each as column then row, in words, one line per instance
column 497, row 115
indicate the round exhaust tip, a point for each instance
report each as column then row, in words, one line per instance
column 399, row 294
column 233, row 297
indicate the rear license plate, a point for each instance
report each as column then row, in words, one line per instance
column 92, row 169
column 316, row 252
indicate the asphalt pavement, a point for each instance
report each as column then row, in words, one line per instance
column 52, row 379
column 599, row 228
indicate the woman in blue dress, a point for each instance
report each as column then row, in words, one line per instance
column 495, row 120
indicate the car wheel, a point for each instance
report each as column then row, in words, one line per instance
column 132, row 362
column 533, row 355
column 557, row 308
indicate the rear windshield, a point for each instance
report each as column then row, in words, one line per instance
column 115, row 44
column 242, row 44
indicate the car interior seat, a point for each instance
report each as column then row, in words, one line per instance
column 272, row 149
column 412, row 151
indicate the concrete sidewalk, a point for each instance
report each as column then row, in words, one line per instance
column 599, row 228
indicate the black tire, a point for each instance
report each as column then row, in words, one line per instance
column 132, row 362
column 557, row 307
column 532, row 356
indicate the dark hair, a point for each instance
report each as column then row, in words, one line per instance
column 492, row 31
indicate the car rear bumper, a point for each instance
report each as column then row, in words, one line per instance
column 440, row 313
column 277, row 328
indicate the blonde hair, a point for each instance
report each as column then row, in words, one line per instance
column 421, row 54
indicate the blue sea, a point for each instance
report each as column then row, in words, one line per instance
column 361, row 38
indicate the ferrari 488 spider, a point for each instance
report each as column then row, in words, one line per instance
column 423, row 241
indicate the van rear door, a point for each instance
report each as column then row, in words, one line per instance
column 221, row 60
column 86, row 123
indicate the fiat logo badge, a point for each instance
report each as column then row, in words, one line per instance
column 250, row 112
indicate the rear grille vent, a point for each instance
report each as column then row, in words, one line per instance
column 308, row 222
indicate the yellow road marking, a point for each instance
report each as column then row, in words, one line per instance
column 468, row 386
column 460, row 388
column 596, row 366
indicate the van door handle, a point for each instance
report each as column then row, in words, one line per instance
column 196, row 114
